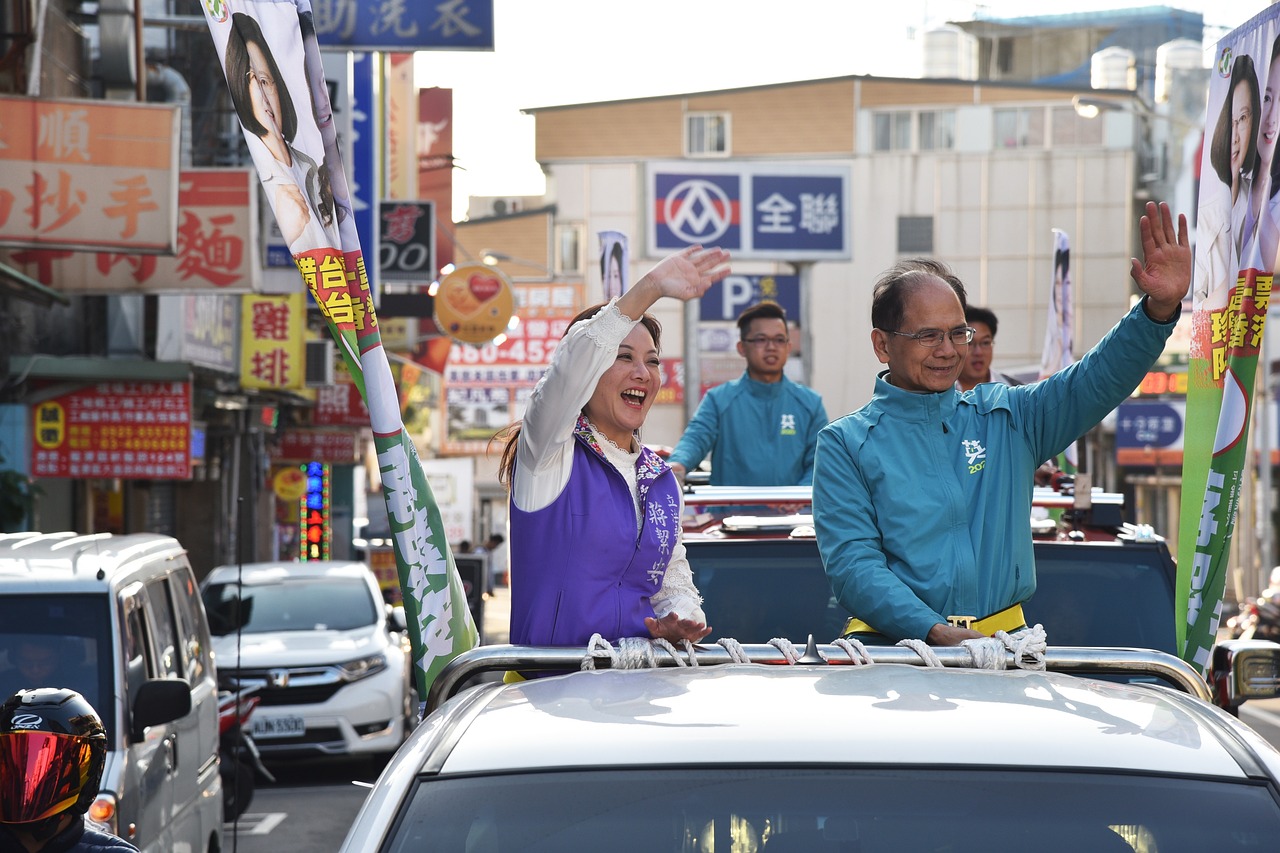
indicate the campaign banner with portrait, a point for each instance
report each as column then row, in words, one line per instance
column 271, row 58
column 1237, row 235
column 614, row 263
column 1059, row 328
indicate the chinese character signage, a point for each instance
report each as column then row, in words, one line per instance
column 131, row 430
column 335, row 447
column 1143, row 427
column 487, row 387
column 755, row 210
column 313, row 513
column 217, row 230
column 200, row 328
column 273, row 354
column 429, row 25
column 88, row 175
column 406, row 248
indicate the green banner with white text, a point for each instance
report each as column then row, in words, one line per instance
column 1237, row 238
column 271, row 58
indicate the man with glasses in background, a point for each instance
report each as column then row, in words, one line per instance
column 922, row 498
column 761, row 428
column 976, row 367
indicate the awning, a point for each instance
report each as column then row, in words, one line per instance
column 22, row 286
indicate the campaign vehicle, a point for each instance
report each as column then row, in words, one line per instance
column 119, row 620
column 828, row 751
column 328, row 659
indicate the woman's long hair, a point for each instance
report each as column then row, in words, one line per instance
column 510, row 436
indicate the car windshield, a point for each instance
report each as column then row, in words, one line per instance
column 58, row 641
column 773, row 810
column 310, row 604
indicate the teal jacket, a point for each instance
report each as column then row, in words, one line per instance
column 758, row 433
column 922, row 502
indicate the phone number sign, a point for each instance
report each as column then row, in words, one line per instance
column 130, row 430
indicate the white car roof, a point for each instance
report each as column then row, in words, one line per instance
column 72, row 562
column 884, row 714
column 268, row 572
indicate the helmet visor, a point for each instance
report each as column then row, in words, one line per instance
column 41, row 774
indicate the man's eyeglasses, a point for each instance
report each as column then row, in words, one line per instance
column 933, row 337
column 762, row 341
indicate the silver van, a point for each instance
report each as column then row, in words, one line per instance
column 119, row 619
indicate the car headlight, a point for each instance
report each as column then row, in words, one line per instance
column 363, row 667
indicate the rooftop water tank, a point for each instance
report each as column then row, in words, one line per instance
column 1173, row 57
column 950, row 53
column 1113, row 68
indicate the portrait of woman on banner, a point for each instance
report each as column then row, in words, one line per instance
column 1261, row 251
column 1231, row 152
column 286, row 151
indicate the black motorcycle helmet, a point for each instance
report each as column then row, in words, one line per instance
column 52, row 751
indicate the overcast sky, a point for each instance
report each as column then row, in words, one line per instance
column 550, row 52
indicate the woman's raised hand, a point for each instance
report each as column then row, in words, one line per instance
column 688, row 273
column 685, row 275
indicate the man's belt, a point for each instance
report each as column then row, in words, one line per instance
column 1009, row 619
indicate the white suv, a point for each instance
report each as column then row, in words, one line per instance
column 118, row 619
column 330, row 659
column 824, row 755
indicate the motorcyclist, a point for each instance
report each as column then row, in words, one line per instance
column 52, row 751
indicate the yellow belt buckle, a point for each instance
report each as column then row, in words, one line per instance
column 962, row 621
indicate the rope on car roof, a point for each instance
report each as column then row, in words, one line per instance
column 787, row 648
column 735, row 650
column 856, row 651
column 1028, row 646
column 634, row 653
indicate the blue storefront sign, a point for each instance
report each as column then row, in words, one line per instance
column 692, row 208
column 401, row 26
column 365, row 190
column 770, row 211
column 725, row 300
column 1154, row 425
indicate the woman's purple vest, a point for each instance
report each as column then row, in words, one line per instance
column 577, row 567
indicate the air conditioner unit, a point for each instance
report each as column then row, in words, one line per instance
column 503, row 206
column 319, row 363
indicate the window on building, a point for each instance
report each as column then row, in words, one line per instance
column 892, row 131
column 706, row 135
column 915, row 235
column 1004, row 55
column 569, row 242
column 1022, row 127
column 1072, row 129
column 937, row 130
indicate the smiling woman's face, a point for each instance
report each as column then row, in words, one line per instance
column 1270, row 116
column 1242, row 119
column 626, row 391
column 263, row 90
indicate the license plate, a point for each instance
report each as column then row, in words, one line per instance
column 269, row 727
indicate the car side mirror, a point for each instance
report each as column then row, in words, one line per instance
column 396, row 618
column 1244, row 669
column 158, row 701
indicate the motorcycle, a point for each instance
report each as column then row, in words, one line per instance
column 1258, row 619
column 239, row 755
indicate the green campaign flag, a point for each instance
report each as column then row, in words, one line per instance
column 271, row 58
column 1236, row 246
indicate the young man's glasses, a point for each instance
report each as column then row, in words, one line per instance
column 762, row 341
column 933, row 337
